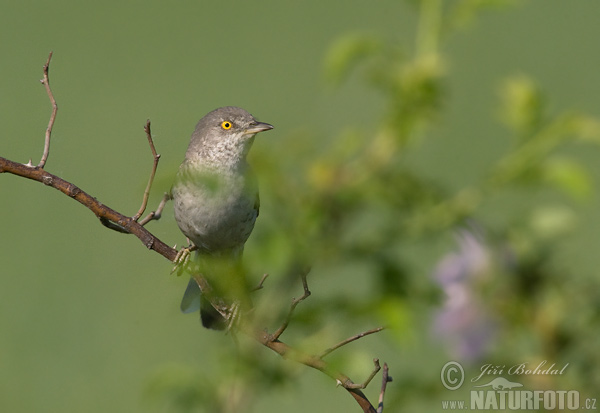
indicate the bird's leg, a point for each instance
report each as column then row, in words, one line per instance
column 182, row 258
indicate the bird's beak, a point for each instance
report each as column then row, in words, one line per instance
column 257, row 127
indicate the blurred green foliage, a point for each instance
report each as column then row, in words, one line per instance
column 360, row 206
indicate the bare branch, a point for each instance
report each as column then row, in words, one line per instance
column 295, row 302
column 351, row 339
column 315, row 362
column 46, row 82
column 385, row 379
column 156, row 157
column 106, row 214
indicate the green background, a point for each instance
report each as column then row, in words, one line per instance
column 89, row 319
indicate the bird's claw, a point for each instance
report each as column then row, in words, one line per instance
column 233, row 316
column 182, row 258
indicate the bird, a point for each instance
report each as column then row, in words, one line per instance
column 216, row 204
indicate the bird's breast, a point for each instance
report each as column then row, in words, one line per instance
column 216, row 211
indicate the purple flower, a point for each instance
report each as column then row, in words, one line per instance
column 464, row 322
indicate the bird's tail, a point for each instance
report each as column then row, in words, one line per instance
column 210, row 317
column 192, row 301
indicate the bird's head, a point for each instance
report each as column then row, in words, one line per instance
column 224, row 135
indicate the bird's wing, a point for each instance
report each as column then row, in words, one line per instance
column 191, row 298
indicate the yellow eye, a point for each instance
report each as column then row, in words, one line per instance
column 226, row 124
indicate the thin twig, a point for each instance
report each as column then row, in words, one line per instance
column 365, row 383
column 155, row 215
column 46, row 82
column 385, row 379
column 295, row 302
column 351, row 339
column 156, row 157
column 260, row 283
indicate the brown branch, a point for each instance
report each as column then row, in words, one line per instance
column 46, row 82
column 314, row 362
column 385, row 379
column 350, row 339
column 103, row 212
column 156, row 157
column 272, row 341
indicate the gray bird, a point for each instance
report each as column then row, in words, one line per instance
column 216, row 203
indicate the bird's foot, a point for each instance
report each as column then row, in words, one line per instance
column 233, row 316
column 182, row 258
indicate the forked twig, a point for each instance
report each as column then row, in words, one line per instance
column 295, row 302
column 46, row 82
column 156, row 156
column 351, row 339
column 365, row 383
column 156, row 214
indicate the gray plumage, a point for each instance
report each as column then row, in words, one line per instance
column 216, row 201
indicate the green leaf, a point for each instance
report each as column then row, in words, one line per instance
column 522, row 105
column 551, row 222
column 586, row 129
column 568, row 176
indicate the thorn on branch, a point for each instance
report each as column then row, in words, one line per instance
column 46, row 82
column 260, row 283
